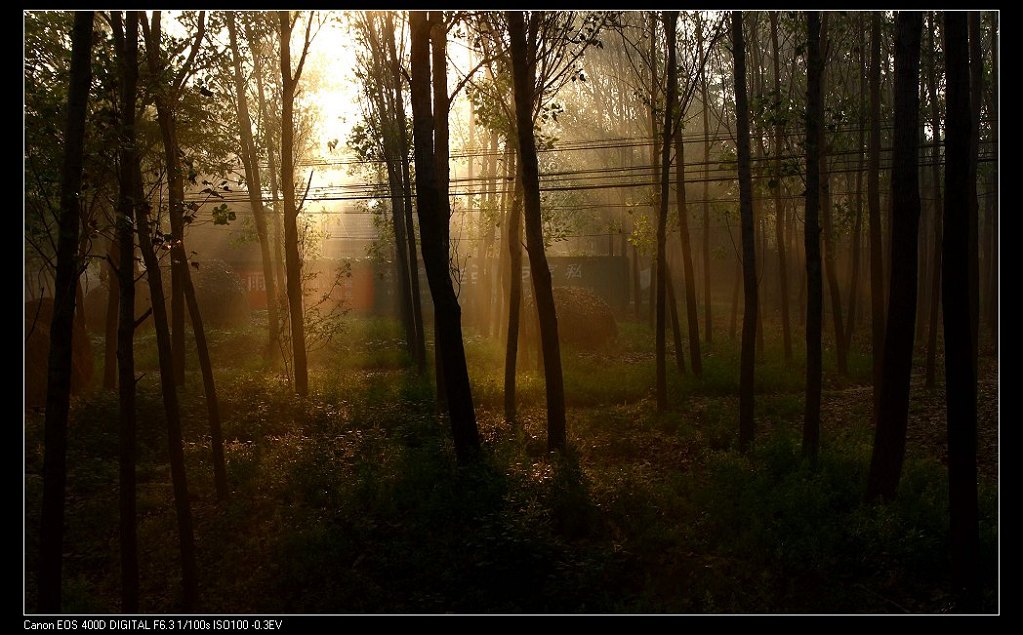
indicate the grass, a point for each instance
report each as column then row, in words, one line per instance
column 350, row 500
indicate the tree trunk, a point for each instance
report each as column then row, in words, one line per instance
column 692, row 315
column 110, row 325
column 433, row 218
column 275, row 226
column 293, row 262
column 973, row 256
column 930, row 367
column 960, row 377
column 186, row 540
column 854, row 276
column 992, row 273
column 58, row 379
column 708, row 327
column 210, row 390
column 779, row 207
column 523, row 75
column 830, row 242
column 749, row 314
column 406, row 182
column 676, row 331
column 890, row 432
column 166, row 101
column 127, row 54
column 668, row 19
column 511, row 351
column 250, row 162
column 811, row 237
column 877, row 309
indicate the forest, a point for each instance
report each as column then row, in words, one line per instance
column 511, row 312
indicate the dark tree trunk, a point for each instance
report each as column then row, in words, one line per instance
column 992, row 273
column 811, row 237
column 293, row 261
column 960, row 377
column 250, row 162
column 676, row 331
column 186, row 539
column 166, row 102
column 127, row 54
column 668, row 19
column 830, row 243
column 182, row 291
column 433, row 219
column 890, row 432
column 58, row 378
column 930, row 367
column 110, row 325
column 692, row 315
column 749, row 314
column 877, row 309
column 779, row 207
column 523, row 75
column 854, row 276
column 210, row 389
column 406, row 183
column 511, row 351
column 708, row 331
column 973, row 255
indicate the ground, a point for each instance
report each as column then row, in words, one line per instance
column 351, row 500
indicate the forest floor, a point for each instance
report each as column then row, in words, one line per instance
column 350, row 501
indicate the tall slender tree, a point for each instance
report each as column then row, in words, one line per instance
column 167, row 95
column 433, row 219
column 812, row 238
column 253, row 185
column 960, row 371
column 779, row 207
column 930, row 365
column 668, row 20
column 890, row 431
column 126, row 37
column 58, row 378
column 877, row 308
column 293, row 260
column 523, row 76
column 749, row 274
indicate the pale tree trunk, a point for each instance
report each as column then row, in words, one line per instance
column 250, row 162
